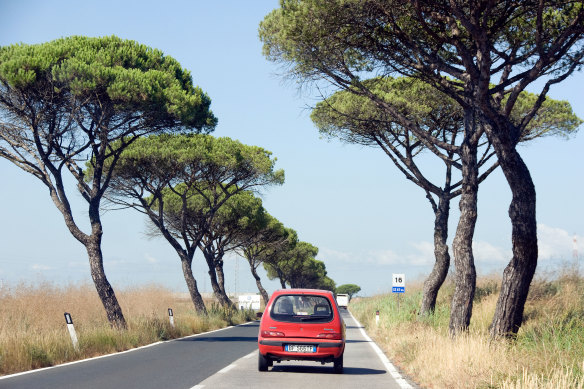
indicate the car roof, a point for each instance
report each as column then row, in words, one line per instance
column 303, row 291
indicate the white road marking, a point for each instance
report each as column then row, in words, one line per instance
column 250, row 354
column 121, row 352
column 234, row 364
column 388, row 365
column 227, row 368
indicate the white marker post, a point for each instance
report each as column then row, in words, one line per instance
column 171, row 317
column 377, row 317
column 398, row 285
column 72, row 332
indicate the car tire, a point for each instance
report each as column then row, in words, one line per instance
column 338, row 364
column 263, row 362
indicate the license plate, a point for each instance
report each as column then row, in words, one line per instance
column 300, row 348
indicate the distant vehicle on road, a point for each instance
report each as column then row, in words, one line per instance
column 343, row 300
column 301, row 324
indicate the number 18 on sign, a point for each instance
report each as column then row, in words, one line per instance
column 398, row 284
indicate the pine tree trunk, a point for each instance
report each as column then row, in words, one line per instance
column 220, row 294
column 519, row 272
column 92, row 245
column 220, row 276
column 465, row 273
column 261, row 289
column 196, row 297
column 282, row 280
column 440, row 270
column 104, row 288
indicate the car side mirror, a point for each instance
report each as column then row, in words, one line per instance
column 259, row 314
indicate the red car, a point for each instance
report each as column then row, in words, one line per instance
column 301, row 324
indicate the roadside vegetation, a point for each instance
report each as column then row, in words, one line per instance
column 482, row 58
column 33, row 332
column 548, row 351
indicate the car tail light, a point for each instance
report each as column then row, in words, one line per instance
column 330, row 335
column 272, row 334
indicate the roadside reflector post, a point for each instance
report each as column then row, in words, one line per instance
column 72, row 332
column 171, row 317
column 377, row 317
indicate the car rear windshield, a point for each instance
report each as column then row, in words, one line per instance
column 295, row 308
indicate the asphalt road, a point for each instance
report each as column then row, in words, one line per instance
column 363, row 368
column 180, row 364
column 220, row 359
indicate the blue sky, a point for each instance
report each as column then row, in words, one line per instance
column 349, row 201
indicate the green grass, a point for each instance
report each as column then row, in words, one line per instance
column 547, row 353
column 33, row 332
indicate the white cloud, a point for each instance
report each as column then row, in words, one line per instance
column 38, row 267
column 340, row 256
column 77, row 264
column 485, row 252
column 553, row 243
column 557, row 243
column 383, row 257
column 120, row 262
column 150, row 259
column 422, row 254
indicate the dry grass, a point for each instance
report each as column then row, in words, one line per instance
column 33, row 332
column 548, row 351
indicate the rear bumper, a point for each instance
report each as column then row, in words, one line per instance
column 326, row 351
column 318, row 345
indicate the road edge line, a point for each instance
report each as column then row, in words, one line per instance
column 119, row 352
column 401, row 381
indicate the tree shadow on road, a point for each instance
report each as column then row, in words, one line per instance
column 220, row 339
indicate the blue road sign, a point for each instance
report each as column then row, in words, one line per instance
column 398, row 289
